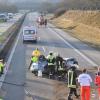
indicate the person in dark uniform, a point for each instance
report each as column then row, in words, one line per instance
column 72, row 84
column 51, row 63
column 59, row 64
column 45, row 22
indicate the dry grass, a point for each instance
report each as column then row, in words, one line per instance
column 7, row 33
column 84, row 25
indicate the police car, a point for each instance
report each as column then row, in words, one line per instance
column 29, row 33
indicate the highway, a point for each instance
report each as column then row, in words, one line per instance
column 4, row 26
column 22, row 84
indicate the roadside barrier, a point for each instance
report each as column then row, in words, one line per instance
column 13, row 32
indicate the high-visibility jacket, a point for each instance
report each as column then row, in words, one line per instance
column 1, row 66
column 34, row 59
column 97, row 80
column 51, row 60
column 72, row 79
column 36, row 53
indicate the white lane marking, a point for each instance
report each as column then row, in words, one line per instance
column 2, row 78
column 76, row 50
column 43, row 49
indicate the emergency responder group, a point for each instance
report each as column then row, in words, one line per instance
column 51, row 59
column 84, row 79
column 42, row 21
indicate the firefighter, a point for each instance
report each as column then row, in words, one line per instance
column 85, row 81
column 72, row 82
column 51, row 63
column 59, row 64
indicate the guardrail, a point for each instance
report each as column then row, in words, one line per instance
column 13, row 32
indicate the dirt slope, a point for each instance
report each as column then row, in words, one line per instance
column 84, row 25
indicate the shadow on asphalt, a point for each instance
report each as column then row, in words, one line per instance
column 49, row 43
column 38, row 82
column 34, row 97
column 56, row 43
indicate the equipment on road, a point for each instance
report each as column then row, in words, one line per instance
column 29, row 33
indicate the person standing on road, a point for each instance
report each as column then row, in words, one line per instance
column 36, row 52
column 97, row 81
column 59, row 64
column 51, row 63
column 85, row 81
column 34, row 59
column 72, row 82
column 1, row 67
column 45, row 22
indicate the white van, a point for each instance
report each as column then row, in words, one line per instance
column 29, row 34
column 10, row 15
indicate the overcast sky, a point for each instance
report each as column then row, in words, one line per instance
column 34, row 0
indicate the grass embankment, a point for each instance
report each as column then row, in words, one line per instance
column 6, row 34
column 84, row 25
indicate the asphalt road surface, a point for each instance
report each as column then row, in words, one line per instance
column 21, row 84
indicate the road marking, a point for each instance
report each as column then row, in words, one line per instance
column 2, row 78
column 43, row 49
column 76, row 50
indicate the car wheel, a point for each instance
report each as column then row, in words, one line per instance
column 35, row 41
column 23, row 41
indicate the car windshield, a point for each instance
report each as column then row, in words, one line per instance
column 29, row 32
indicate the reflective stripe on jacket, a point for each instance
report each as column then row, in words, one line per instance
column 51, row 60
column 71, row 79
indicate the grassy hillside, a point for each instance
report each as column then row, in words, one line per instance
column 91, row 18
column 84, row 25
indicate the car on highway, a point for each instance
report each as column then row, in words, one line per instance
column 10, row 15
column 43, row 66
column 29, row 33
column 3, row 17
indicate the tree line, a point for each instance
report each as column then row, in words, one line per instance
column 7, row 7
column 71, row 5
